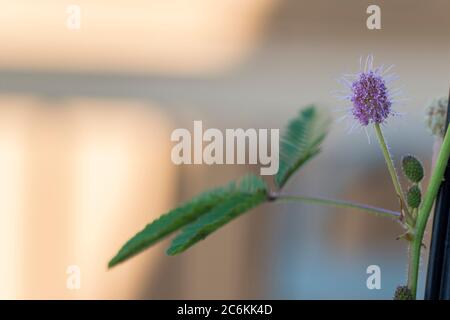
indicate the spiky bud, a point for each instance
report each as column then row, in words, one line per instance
column 403, row 293
column 412, row 168
column 436, row 117
column 414, row 197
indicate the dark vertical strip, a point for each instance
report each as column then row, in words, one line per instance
column 445, row 280
column 438, row 274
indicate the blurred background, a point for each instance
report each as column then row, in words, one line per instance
column 87, row 108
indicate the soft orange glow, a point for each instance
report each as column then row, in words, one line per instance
column 12, row 219
column 120, row 167
column 78, row 179
column 161, row 36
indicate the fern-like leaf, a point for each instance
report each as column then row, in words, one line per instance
column 210, row 210
column 301, row 141
column 185, row 214
column 172, row 221
column 251, row 192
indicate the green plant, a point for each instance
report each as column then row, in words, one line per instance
column 210, row 210
column 301, row 141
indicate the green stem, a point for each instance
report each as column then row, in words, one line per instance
column 413, row 264
column 435, row 183
column 392, row 172
column 341, row 204
column 425, row 209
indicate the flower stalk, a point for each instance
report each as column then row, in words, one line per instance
column 371, row 103
column 393, row 174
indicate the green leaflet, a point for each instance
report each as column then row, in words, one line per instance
column 183, row 215
column 211, row 210
column 172, row 221
column 300, row 142
column 252, row 193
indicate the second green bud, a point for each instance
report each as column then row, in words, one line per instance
column 412, row 168
column 414, row 197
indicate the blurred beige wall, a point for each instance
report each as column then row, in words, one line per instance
column 79, row 177
column 175, row 37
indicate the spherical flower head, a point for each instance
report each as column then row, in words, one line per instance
column 370, row 96
column 371, row 103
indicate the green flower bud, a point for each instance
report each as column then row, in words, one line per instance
column 412, row 168
column 414, row 197
column 403, row 293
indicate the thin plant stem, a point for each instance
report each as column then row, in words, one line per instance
column 392, row 172
column 341, row 204
column 413, row 264
column 425, row 209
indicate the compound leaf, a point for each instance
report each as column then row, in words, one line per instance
column 172, row 221
column 250, row 193
column 301, row 141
